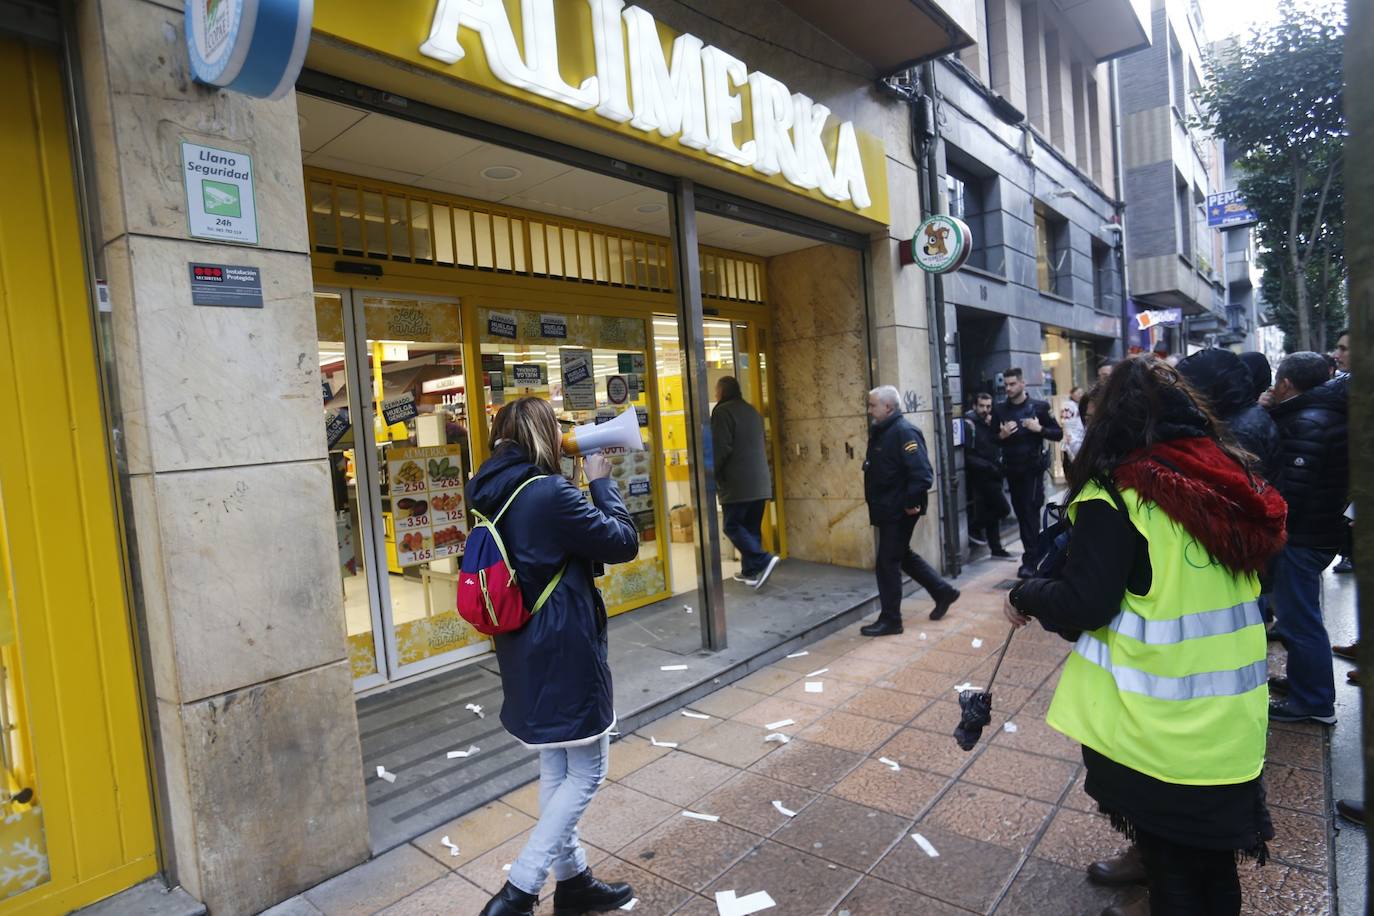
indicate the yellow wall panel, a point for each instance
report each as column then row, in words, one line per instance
column 65, row 572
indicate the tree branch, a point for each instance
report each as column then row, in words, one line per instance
column 1321, row 205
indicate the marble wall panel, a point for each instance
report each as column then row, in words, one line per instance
column 823, row 459
column 815, row 291
column 132, row 439
column 153, row 105
column 156, row 615
column 276, row 785
column 851, row 536
column 904, row 189
column 808, row 536
column 176, row 794
column 251, row 571
column 225, row 386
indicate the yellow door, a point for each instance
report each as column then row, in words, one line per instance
column 76, row 818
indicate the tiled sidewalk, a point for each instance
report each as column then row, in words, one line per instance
column 1012, row 826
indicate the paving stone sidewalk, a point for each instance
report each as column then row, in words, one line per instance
column 1012, row 826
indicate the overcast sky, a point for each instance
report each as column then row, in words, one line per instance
column 1234, row 17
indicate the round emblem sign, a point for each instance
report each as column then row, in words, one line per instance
column 255, row 47
column 617, row 389
column 941, row 244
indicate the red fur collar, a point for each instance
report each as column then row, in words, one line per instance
column 1239, row 519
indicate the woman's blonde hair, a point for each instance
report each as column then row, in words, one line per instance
column 530, row 424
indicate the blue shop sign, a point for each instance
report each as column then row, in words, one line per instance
column 1228, row 209
column 256, row 47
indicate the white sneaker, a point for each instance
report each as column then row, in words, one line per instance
column 767, row 571
column 740, row 577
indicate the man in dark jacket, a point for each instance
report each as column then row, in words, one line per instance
column 1024, row 424
column 1311, row 417
column 1226, row 383
column 983, row 463
column 897, row 479
column 743, row 481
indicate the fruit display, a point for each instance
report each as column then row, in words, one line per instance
column 447, row 536
column 411, row 473
column 447, row 502
column 443, row 472
column 413, row 541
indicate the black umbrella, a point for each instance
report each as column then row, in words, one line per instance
column 976, row 706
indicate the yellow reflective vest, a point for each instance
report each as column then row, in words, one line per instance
column 1176, row 686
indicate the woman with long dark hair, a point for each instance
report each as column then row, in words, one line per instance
column 555, row 680
column 1166, row 687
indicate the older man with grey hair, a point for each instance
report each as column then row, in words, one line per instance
column 897, row 479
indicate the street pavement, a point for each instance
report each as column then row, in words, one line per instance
column 1009, row 822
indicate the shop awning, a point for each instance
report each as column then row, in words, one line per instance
column 893, row 35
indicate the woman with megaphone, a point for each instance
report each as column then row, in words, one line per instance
column 555, row 678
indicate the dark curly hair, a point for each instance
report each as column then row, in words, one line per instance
column 1143, row 401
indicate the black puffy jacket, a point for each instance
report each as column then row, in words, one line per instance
column 897, row 473
column 1229, row 386
column 1316, row 468
column 1023, row 452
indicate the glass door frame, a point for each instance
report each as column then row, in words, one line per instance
column 367, row 467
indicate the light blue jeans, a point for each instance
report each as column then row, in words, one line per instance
column 568, row 778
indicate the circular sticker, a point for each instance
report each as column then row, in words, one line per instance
column 939, row 243
column 617, row 389
column 212, row 28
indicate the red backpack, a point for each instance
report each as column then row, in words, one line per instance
column 489, row 596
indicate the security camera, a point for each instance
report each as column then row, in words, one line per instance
column 1109, row 227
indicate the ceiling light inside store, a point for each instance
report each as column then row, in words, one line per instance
column 1049, row 357
column 750, row 233
column 501, row 173
column 649, row 208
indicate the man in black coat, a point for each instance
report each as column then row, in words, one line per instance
column 1311, row 417
column 983, row 464
column 1024, row 424
column 897, row 480
column 1226, row 383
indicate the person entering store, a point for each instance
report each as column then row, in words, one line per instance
column 743, row 481
column 555, row 678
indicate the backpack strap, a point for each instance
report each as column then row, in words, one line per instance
column 500, row 545
column 511, row 498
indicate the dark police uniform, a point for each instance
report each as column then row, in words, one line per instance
column 1025, row 461
column 897, row 477
column 983, row 464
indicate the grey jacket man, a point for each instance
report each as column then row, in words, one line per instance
column 741, row 459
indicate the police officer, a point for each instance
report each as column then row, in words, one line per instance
column 1024, row 424
column 897, row 478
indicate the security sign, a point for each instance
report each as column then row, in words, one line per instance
column 941, row 244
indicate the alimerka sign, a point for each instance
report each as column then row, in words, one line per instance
column 606, row 62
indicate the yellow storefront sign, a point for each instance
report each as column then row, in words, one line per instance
column 612, row 65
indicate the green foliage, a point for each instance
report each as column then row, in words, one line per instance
column 1277, row 97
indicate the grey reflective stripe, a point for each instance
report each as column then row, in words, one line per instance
column 1190, row 687
column 1189, row 626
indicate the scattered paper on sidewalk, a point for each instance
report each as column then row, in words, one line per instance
column 727, row 904
column 695, row 715
column 506, row 867
column 631, row 905
column 472, row 749
column 477, row 709
column 799, row 654
column 815, row 687
column 891, row 764
column 451, row 846
column 781, row 723
column 383, row 774
column 672, row 667
column 785, row 812
column 778, row 737
column 925, row 845
column 1009, row 726
column 818, row 672
column 657, row 743
column 960, row 688
column 701, row 817
column 687, row 608
column 923, row 636
column 977, row 643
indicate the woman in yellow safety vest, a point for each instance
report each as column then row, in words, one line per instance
column 1166, row 687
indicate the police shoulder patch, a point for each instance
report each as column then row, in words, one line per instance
column 911, row 446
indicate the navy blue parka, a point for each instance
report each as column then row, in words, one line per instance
column 554, row 672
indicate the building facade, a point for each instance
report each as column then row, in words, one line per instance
column 1026, row 119
column 259, row 344
column 1176, row 260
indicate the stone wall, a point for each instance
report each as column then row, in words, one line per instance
column 817, row 296
column 219, row 425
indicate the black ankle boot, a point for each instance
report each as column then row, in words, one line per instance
column 586, row 894
column 512, row 901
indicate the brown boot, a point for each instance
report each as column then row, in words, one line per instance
column 1119, row 871
column 1138, row 907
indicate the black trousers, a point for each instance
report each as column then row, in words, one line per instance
column 1189, row 882
column 895, row 557
column 988, row 507
column 1027, row 501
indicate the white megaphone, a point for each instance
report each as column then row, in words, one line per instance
column 622, row 432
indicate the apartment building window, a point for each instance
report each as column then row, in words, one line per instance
column 1184, row 208
column 1051, row 251
column 968, row 200
column 1103, row 288
column 1176, row 71
column 1202, row 235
